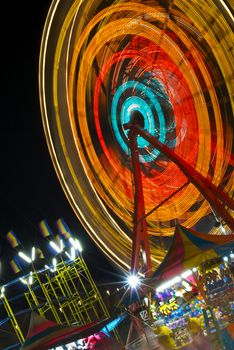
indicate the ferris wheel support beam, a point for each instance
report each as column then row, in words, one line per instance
column 216, row 197
column 140, row 244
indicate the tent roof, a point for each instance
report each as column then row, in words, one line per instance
column 190, row 249
column 43, row 334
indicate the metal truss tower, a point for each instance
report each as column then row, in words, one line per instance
column 67, row 295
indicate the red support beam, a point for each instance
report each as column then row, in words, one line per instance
column 217, row 198
column 140, row 245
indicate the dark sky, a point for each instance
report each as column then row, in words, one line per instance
column 30, row 190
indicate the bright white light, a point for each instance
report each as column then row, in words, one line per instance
column 61, row 245
column 49, row 268
column 23, row 281
column 54, row 262
column 68, row 255
column 232, row 256
column 108, row 292
column 179, row 293
column 168, row 284
column 33, row 254
column 133, row 281
column 55, row 247
column 186, row 286
column 225, row 258
column 73, row 253
column 76, row 244
column 175, row 280
column 186, row 274
column 30, row 280
column 2, row 292
column 223, row 229
column 25, row 257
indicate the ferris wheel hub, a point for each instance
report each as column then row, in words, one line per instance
column 137, row 119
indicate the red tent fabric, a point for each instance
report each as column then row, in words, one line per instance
column 44, row 334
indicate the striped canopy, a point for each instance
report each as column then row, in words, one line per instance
column 44, row 334
column 190, row 249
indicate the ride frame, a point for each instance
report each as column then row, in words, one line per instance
column 72, row 288
column 140, row 243
column 68, row 296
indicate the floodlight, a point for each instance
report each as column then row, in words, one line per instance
column 33, row 254
column 61, row 245
column 57, row 248
column 30, row 280
column 72, row 254
column 54, row 262
column 49, row 268
column 68, row 255
column 133, row 281
column 225, row 258
column 76, row 244
column 25, row 257
column 23, row 280
column 2, row 292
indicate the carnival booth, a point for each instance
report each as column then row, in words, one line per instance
column 195, row 291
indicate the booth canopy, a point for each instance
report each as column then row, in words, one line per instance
column 45, row 334
column 190, row 249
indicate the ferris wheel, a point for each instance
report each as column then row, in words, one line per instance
column 172, row 62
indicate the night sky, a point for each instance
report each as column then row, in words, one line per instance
column 30, row 190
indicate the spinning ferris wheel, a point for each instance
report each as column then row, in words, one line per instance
column 172, row 62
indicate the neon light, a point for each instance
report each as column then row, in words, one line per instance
column 97, row 50
column 138, row 104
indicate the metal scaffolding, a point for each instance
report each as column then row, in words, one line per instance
column 12, row 318
column 67, row 295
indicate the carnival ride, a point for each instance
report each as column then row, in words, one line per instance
column 172, row 62
column 62, row 291
column 137, row 106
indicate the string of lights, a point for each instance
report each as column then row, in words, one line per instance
column 172, row 63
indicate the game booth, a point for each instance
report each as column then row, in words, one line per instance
column 195, row 291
